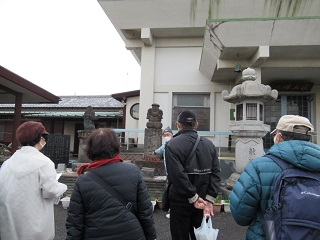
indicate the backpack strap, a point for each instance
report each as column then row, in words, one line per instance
column 283, row 164
column 188, row 162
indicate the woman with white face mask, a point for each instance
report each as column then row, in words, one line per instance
column 28, row 188
column 167, row 136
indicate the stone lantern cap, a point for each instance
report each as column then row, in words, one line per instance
column 249, row 89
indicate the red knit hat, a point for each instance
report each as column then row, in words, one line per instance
column 29, row 131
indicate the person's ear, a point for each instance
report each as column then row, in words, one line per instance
column 280, row 138
column 196, row 125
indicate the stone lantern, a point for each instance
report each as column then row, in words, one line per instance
column 249, row 127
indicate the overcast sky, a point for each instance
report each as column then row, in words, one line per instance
column 67, row 47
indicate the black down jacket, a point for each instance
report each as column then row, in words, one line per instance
column 95, row 214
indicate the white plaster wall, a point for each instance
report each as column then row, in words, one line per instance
column 164, row 99
column 222, row 114
column 221, row 119
column 179, row 68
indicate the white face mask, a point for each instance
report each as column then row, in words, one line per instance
column 42, row 145
column 166, row 139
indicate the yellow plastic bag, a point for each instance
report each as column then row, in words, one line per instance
column 206, row 231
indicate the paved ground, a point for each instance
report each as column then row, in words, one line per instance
column 228, row 229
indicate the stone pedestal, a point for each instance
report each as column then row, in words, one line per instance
column 158, row 166
column 83, row 134
column 147, row 172
column 246, row 150
column 249, row 143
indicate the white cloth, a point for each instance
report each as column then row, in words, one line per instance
column 28, row 186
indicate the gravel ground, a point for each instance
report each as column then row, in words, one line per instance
column 228, row 229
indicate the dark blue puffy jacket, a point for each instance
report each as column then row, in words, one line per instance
column 249, row 197
column 95, row 214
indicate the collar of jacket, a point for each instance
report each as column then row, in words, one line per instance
column 184, row 131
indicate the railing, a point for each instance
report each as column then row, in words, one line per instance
column 219, row 139
column 125, row 140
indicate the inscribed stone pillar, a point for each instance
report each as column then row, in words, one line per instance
column 153, row 132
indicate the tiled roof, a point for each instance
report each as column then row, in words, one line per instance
column 75, row 102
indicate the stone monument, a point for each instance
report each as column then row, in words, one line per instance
column 153, row 132
column 88, row 125
column 151, row 165
column 88, row 119
column 248, row 127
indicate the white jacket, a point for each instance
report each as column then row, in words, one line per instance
column 28, row 186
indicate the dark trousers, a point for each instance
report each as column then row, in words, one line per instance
column 182, row 221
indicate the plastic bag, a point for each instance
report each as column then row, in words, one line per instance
column 206, row 231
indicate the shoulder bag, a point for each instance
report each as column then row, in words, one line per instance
column 128, row 205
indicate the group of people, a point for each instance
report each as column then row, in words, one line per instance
column 110, row 199
column 29, row 188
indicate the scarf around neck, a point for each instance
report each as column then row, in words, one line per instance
column 98, row 163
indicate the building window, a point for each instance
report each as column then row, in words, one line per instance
column 239, row 112
column 273, row 110
column 134, row 111
column 251, row 111
column 261, row 112
column 197, row 103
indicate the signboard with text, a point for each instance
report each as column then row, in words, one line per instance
column 57, row 148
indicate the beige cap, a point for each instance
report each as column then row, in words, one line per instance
column 288, row 122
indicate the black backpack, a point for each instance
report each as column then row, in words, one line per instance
column 294, row 207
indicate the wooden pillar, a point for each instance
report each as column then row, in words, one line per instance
column 16, row 120
column 124, row 117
